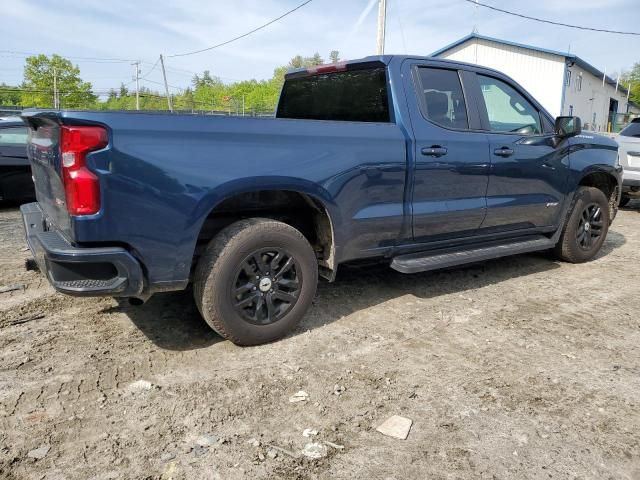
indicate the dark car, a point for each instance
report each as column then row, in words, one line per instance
column 16, row 183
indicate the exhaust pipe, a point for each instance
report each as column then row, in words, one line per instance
column 139, row 300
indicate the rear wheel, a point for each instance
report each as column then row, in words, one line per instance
column 586, row 229
column 256, row 281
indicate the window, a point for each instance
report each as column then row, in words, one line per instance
column 568, row 81
column 632, row 130
column 13, row 136
column 507, row 109
column 352, row 96
column 442, row 98
column 579, row 83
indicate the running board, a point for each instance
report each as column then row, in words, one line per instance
column 425, row 261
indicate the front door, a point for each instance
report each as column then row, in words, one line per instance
column 529, row 172
column 451, row 159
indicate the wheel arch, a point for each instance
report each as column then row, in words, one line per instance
column 606, row 181
column 301, row 204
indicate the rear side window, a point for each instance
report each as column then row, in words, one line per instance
column 507, row 108
column 13, row 136
column 442, row 98
column 350, row 96
column 632, row 130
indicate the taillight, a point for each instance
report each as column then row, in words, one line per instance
column 329, row 68
column 81, row 186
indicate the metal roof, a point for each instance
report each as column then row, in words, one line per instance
column 568, row 56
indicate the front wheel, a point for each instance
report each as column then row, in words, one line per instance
column 586, row 229
column 255, row 281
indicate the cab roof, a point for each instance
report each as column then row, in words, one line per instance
column 381, row 60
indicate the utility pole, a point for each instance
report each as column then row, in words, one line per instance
column 166, row 86
column 136, row 65
column 55, row 89
column 475, row 26
column 382, row 23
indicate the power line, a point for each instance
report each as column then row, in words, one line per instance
column 244, row 34
column 152, row 69
column 476, row 3
column 160, row 83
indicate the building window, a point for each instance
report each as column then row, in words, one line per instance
column 571, row 110
column 579, row 83
column 568, row 82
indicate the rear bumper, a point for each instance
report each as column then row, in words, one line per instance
column 100, row 271
column 630, row 180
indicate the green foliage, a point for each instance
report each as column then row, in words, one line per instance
column 633, row 77
column 39, row 73
column 126, row 100
column 250, row 96
column 207, row 93
column 9, row 95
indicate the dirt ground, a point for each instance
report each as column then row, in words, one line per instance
column 518, row 368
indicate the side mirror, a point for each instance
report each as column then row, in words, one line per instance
column 568, row 127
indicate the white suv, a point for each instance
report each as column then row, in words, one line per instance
column 629, row 142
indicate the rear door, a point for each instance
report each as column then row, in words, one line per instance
column 451, row 153
column 529, row 172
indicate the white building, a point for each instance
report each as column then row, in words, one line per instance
column 562, row 82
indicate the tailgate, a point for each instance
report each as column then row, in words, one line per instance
column 43, row 150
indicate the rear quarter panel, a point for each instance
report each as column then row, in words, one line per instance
column 162, row 175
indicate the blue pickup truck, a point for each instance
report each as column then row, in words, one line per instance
column 419, row 162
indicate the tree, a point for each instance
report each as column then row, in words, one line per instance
column 10, row 96
column 633, row 78
column 39, row 74
column 209, row 93
column 305, row 62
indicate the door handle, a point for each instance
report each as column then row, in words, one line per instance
column 503, row 152
column 434, row 151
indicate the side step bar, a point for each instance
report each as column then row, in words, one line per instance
column 425, row 261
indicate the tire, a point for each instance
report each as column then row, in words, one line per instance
column 589, row 217
column 239, row 299
column 624, row 200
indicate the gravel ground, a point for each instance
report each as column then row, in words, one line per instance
column 518, row 368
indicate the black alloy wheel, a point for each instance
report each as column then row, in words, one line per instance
column 585, row 229
column 267, row 285
column 590, row 226
column 256, row 280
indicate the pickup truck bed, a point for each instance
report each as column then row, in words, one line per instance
column 419, row 162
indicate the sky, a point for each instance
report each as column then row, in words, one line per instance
column 90, row 31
